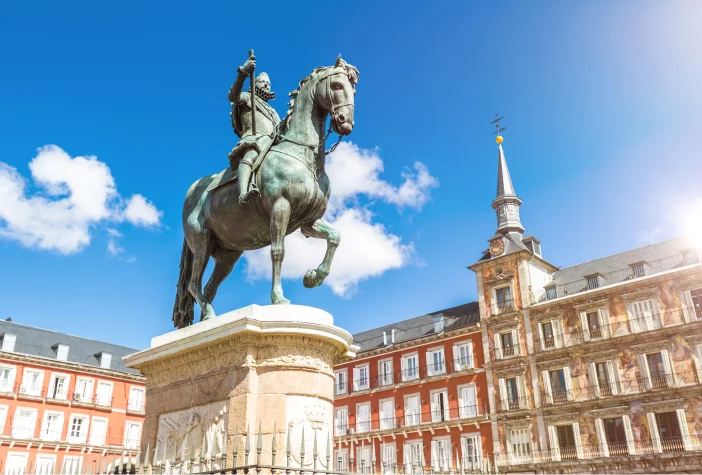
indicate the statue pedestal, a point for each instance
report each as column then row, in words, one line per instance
column 267, row 367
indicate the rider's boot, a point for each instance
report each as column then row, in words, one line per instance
column 247, row 189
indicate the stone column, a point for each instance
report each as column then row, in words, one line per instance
column 268, row 367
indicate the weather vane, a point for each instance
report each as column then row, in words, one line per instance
column 498, row 129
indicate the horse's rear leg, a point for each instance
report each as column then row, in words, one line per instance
column 224, row 263
column 280, row 215
column 203, row 246
column 320, row 229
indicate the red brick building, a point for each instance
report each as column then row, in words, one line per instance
column 415, row 396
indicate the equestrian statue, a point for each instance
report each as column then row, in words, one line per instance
column 275, row 185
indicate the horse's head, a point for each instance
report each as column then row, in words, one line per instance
column 335, row 92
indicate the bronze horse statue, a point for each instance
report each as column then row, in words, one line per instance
column 294, row 192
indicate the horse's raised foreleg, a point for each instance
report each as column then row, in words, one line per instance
column 204, row 243
column 224, row 263
column 320, row 229
column 280, row 215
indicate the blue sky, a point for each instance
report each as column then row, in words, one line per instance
column 601, row 103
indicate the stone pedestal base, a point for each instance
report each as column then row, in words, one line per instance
column 267, row 367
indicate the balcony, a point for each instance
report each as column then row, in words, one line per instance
column 623, row 326
column 452, row 415
column 420, row 373
column 615, row 277
column 506, row 352
column 502, row 307
column 513, row 404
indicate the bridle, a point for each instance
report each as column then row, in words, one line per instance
column 327, row 77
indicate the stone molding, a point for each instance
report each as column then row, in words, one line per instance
column 592, row 304
column 562, row 418
column 663, row 406
column 610, row 412
column 246, row 351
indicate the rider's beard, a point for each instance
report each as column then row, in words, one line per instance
column 265, row 95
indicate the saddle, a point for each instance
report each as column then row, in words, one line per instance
column 228, row 177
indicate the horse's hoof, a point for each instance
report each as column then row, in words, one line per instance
column 209, row 314
column 279, row 299
column 310, row 279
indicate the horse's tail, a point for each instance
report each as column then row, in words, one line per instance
column 183, row 313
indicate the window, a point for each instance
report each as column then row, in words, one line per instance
column 435, row 362
column 387, row 414
column 615, row 436
column 657, row 371
column 593, row 282
column 603, row 381
column 78, row 429
column 547, row 331
column 520, row 445
column 105, row 360
column 8, row 342
column 342, row 461
column 472, row 453
column 84, row 391
column 593, row 323
column 412, row 457
column 103, row 396
column 136, row 399
column 361, row 380
column 62, row 352
column 3, row 418
column 558, row 386
column 385, row 373
column 24, row 422
column 72, row 464
column 58, row 387
column 387, row 452
column 45, row 464
column 52, row 426
column 503, row 299
column 439, row 324
column 363, row 417
column 410, row 367
column 551, row 293
column 645, row 315
column 131, row 435
column 690, row 257
column 363, row 459
column 669, row 431
column 467, row 402
column 16, row 463
column 7, row 379
column 463, row 355
column 439, row 406
column 388, row 337
column 98, row 429
column 31, row 382
column 507, row 343
column 696, row 301
column 638, row 269
column 341, row 421
column 512, row 393
column 412, row 410
column 340, row 385
column 441, row 454
column 566, row 442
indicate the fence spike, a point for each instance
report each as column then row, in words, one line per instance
column 273, row 449
column 288, row 449
column 302, row 448
column 259, row 443
column 315, row 453
column 236, row 447
column 223, row 456
column 247, row 446
column 329, row 442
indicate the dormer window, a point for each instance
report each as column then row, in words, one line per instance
column 533, row 244
column 8, row 342
column 593, row 281
column 388, row 337
column 61, row 352
column 439, row 324
column 551, row 293
column 639, row 269
column 104, row 359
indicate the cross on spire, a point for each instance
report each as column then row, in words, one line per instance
column 498, row 129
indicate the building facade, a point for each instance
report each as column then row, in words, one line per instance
column 67, row 404
column 415, row 397
column 595, row 367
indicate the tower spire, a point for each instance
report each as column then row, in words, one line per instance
column 506, row 203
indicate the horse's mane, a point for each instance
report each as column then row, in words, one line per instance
column 351, row 70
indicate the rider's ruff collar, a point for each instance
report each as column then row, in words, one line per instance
column 266, row 96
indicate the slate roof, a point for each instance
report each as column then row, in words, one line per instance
column 418, row 327
column 613, row 263
column 38, row 342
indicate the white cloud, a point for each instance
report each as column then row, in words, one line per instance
column 367, row 249
column 73, row 196
column 113, row 247
column 142, row 212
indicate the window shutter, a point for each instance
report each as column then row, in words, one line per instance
column 655, row 435
column 682, row 420
column 435, row 455
column 521, row 392
column 407, row 458
column 633, row 319
column 668, row 368
column 471, row 364
column 383, row 415
column 503, row 394
column 356, row 377
column 435, row 408
column 585, row 326
column 515, row 343
column 603, row 317
column 542, row 343
column 510, row 455
column 568, row 383
column 447, row 414
column 592, row 379
column 601, row 438
column 613, row 376
column 697, row 356
column 645, row 374
column 688, row 307
column 498, row 347
column 578, row 440
column 559, row 333
column 547, row 387
column 553, row 440
column 629, row 434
